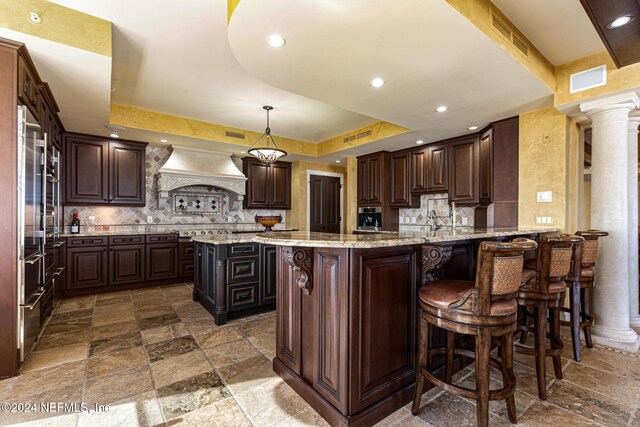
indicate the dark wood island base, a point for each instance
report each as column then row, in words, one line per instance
column 346, row 313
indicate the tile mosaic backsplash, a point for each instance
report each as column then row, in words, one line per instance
column 440, row 204
column 155, row 158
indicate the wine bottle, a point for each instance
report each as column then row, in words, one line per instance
column 75, row 224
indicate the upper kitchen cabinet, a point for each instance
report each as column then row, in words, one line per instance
column 430, row 169
column 99, row 171
column 498, row 148
column 401, row 182
column 464, row 171
column 372, row 179
column 28, row 90
column 268, row 186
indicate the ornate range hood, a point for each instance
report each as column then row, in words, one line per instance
column 194, row 166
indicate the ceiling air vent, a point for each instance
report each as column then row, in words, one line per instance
column 588, row 79
column 234, row 134
column 357, row 136
column 504, row 29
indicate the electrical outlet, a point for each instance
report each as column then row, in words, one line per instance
column 149, row 219
column 413, row 220
column 549, row 220
column 465, row 221
column 544, row 196
column 538, row 220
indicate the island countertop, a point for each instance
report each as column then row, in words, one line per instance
column 330, row 240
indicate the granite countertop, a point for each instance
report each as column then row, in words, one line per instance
column 181, row 231
column 328, row 240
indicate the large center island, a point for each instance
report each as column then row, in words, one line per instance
column 346, row 312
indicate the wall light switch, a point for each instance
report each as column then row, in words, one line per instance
column 538, row 220
column 544, row 196
column 549, row 220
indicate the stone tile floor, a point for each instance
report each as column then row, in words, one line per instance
column 156, row 358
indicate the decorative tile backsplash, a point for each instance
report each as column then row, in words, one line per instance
column 155, row 158
column 440, row 204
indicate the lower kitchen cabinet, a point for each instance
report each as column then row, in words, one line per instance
column 162, row 261
column 102, row 264
column 126, row 264
column 235, row 280
column 87, row 267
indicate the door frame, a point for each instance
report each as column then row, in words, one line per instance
column 323, row 173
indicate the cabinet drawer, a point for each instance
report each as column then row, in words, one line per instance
column 185, row 251
column 46, row 304
column 242, row 249
column 162, row 238
column 87, row 241
column 185, row 268
column 126, row 240
column 242, row 296
column 242, row 270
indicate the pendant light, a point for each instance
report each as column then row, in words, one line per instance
column 269, row 153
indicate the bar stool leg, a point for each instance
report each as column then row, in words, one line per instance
column 554, row 329
column 525, row 316
column 483, row 348
column 450, row 346
column 541, row 348
column 574, row 310
column 423, row 363
column 586, row 309
column 506, row 352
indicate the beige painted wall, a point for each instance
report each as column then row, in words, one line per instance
column 297, row 217
column 351, row 196
column 543, row 165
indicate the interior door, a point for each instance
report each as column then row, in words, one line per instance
column 324, row 206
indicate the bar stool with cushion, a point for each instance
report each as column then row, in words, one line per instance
column 543, row 294
column 580, row 284
column 485, row 308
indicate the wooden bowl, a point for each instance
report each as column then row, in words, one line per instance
column 268, row 221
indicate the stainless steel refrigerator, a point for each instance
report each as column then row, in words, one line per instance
column 32, row 231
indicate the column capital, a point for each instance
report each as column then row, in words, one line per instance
column 624, row 101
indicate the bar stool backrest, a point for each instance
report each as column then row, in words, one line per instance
column 499, row 271
column 590, row 246
column 555, row 259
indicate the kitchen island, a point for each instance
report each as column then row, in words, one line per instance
column 346, row 306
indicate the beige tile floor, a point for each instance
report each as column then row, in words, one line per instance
column 156, row 358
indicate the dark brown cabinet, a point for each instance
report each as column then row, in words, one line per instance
column 464, row 172
column 87, row 267
column 401, row 183
column 86, row 170
column 499, row 175
column 268, row 186
column 100, row 171
column 185, row 260
column 438, row 168
column 28, row 88
column 324, row 204
column 162, row 261
column 372, row 171
column 126, row 264
column 126, row 173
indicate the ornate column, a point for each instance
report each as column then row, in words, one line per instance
column 632, row 155
column 610, row 212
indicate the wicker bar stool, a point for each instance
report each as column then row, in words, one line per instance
column 580, row 284
column 543, row 294
column 485, row 308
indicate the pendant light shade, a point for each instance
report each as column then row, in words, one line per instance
column 268, row 152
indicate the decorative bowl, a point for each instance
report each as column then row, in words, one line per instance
column 268, row 221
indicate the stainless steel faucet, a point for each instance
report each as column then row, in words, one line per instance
column 431, row 220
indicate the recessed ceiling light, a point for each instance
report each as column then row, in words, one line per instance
column 620, row 21
column 337, row 161
column 114, row 134
column 442, row 109
column 419, row 142
column 276, row 40
column 35, row 17
column 163, row 140
column 243, row 152
column 473, row 127
column 377, row 82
